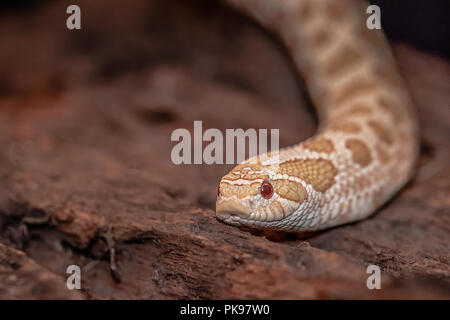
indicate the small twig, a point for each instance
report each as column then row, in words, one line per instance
column 108, row 236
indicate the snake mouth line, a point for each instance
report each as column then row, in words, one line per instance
column 233, row 220
column 250, row 224
column 237, row 221
column 232, row 212
column 230, row 209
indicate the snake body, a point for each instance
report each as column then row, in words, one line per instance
column 367, row 142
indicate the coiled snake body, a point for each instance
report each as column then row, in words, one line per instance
column 367, row 142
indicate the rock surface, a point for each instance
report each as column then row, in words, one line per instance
column 86, row 175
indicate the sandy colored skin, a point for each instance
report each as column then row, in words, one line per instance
column 367, row 142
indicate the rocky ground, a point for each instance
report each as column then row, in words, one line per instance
column 87, row 179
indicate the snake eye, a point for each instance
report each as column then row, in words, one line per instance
column 266, row 190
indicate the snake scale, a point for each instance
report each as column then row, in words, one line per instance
column 367, row 142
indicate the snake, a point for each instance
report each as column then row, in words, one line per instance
column 367, row 142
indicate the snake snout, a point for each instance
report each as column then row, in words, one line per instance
column 229, row 208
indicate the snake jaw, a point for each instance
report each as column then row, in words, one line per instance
column 254, row 211
column 243, row 201
column 227, row 208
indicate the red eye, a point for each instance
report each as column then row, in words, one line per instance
column 266, row 190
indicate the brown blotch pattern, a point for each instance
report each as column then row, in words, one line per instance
column 381, row 131
column 336, row 10
column 319, row 173
column 319, row 145
column 360, row 152
column 345, row 126
column 290, row 190
column 345, row 58
column 383, row 155
column 306, row 11
column 355, row 87
column 320, row 38
column 356, row 110
column 391, row 107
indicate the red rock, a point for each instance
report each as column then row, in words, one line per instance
column 85, row 166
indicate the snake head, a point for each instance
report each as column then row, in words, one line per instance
column 257, row 196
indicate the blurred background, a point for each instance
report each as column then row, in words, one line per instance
column 85, row 123
column 418, row 22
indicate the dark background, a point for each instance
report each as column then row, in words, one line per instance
column 85, row 124
column 422, row 23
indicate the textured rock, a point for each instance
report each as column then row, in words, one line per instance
column 23, row 278
column 85, row 124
